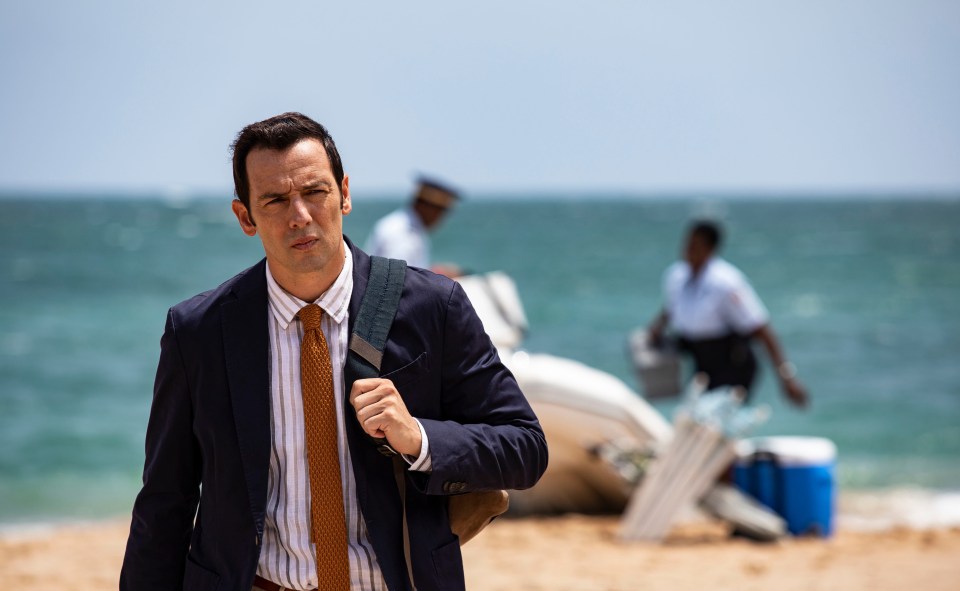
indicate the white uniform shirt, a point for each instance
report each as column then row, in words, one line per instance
column 287, row 557
column 401, row 235
column 714, row 303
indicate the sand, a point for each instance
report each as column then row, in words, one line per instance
column 573, row 552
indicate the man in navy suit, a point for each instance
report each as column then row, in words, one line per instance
column 225, row 502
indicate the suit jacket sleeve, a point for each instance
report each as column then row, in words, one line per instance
column 489, row 437
column 164, row 510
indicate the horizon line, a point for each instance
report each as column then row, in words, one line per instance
column 393, row 194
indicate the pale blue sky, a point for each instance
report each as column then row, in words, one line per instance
column 495, row 96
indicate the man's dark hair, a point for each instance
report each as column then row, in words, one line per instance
column 279, row 133
column 709, row 231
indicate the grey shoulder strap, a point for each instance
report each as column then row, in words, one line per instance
column 377, row 310
column 372, row 325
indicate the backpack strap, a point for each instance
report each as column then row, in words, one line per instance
column 377, row 310
column 372, row 325
column 367, row 341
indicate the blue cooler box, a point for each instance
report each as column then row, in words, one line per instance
column 793, row 476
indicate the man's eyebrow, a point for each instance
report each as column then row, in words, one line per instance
column 318, row 184
column 266, row 196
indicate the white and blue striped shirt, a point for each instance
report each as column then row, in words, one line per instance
column 287, row 557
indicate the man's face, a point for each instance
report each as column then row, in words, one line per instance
column 431, row 214
column 297, row 209
column 697, row 250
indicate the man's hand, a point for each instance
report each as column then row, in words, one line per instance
column 382, row 413
column 655, row 335
column 795, row 392
column 657, row 327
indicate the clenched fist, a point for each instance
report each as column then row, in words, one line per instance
column 382, row 413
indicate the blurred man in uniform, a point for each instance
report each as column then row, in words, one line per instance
column 404, row 233
column 716, row 314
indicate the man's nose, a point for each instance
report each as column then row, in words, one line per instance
column 299, row 214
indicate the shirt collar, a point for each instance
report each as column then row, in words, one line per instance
column 335, row 301
column 704, row 270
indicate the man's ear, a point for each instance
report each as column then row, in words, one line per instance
column 345, row 205
column 243, row 216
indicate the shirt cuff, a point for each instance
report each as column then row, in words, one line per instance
column 423, row 462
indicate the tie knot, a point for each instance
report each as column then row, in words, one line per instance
column 310, row 316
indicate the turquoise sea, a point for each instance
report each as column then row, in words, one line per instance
column 864, row 293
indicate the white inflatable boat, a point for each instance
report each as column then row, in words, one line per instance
column 598, row 429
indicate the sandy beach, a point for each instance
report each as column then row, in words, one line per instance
column 573, row 552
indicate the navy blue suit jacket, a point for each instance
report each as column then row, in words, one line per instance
column 210, row 425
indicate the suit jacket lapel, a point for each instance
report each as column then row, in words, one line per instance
column 361, row 271
column 247, row 356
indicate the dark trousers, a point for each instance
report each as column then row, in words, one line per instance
column 727, row 360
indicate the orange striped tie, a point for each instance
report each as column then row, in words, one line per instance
column 328, row 527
